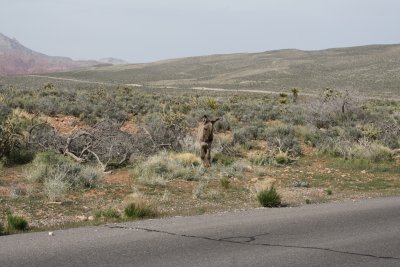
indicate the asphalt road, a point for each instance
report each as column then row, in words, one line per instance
column 360, row 233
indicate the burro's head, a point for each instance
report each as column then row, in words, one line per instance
column 206, row 120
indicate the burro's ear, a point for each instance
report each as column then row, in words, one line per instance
column 204, row 119
column 215, row 120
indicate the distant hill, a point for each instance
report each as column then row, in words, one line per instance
column 370, row 69
column 113, row 61
column 17, row 59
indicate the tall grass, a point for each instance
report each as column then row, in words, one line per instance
column 269, row 197
column 160, row 168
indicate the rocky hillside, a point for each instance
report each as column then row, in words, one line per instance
column 18, row 59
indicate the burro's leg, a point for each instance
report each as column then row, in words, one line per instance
column 208, row 155
column 203, row 153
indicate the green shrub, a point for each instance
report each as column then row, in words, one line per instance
column 307, row 134
column 211, row 103
column 133, row 210
column 19, row 156
column 262, row 160
column 48, row 157
column 16, row 223
column 282, row 158
column 5, row 110
column 269, row 198
column 328, row 191
column 370, row 131
column 2, row 230
column 283, row 95
column 98, row 214
column 110, row 214
column 225, row 182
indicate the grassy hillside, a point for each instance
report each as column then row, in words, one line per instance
column 373, row 70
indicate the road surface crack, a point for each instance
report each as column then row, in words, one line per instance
column 247, row 240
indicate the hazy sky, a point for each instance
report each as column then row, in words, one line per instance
column 148, row 30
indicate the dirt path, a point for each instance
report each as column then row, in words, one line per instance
column 170, row 87
column 68, row 79
column 199, row 88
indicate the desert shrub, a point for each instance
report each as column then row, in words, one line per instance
column 90, row 176
column 283, row 100
column 17, row 190
column 269, row 197
column 390, row 131
column 48, row 158
column 241, row 166
column 283, row 139
column 282, row 158
column 2, row 230
column 55, row 185
column 262, row 160
column 226, row 147
column 109, row 214
column 11, row 133
column 225, row 182
column 165, row 130
column 36, row 173
column 59, row 174
column 159, row 168
column 135, row 210
column 222, row 125
column 16, row 223
column 187, row 159
column 300, row 183
column 284, row 95
column 333, row 108
column 335, row 146
column 41, row 166
column 189, row 144
column 49, row 165
column 370, row 131
column 328, row 191
column 199, row 190
column 223, row 159
column 279, row 159
column 307, row 134
column 20, row 156
column 240, row 136
column 372, row 151
column 210, row 103
column 244, row 135
column 5, row 111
